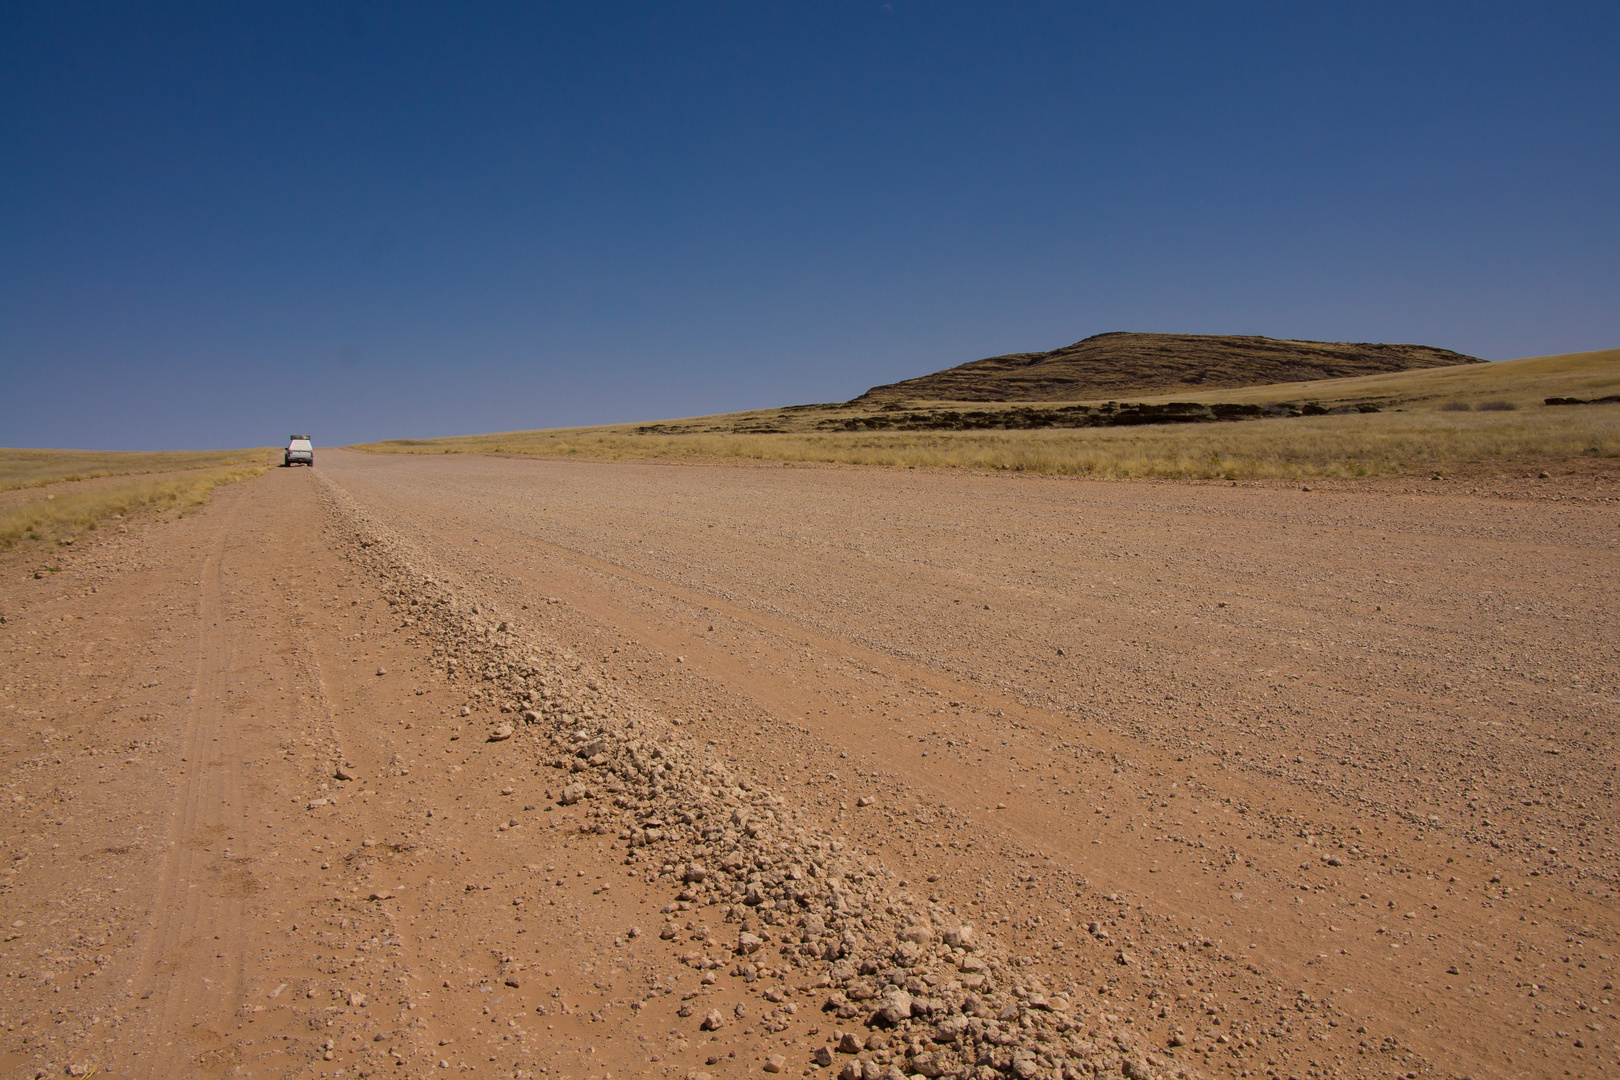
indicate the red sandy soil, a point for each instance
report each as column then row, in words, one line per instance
column 1083, row 778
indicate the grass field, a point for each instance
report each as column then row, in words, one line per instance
column 1524, row 384
column 36, row 468
column 57, row 518
column 1432, row 420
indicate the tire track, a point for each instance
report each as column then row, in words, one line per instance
column 192, row 967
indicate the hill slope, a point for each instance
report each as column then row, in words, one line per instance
column 1123, row 363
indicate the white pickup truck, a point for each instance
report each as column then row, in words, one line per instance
column 299, row 452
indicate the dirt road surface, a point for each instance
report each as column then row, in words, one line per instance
column 444, row 765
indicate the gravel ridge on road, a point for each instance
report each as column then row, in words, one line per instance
column 946, row 1001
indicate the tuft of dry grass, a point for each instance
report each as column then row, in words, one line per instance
column 59, row 518
column 20, row 468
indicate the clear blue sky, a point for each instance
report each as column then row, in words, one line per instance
column 220, row 223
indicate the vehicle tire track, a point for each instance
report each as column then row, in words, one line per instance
column 192, row 966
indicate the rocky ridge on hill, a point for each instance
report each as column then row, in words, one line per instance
column 1112, row 364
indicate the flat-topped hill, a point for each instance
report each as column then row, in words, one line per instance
column 1123, row 363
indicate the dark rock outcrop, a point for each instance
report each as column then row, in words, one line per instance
column 1113, row 414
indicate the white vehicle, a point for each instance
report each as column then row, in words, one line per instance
column 299, row 452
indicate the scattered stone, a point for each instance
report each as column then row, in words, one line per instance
column 572, row 794
column 714, row 1021
column 343, row 773
column 775, row 1063
column 357, row 1000
column 896, row 1007
column 501, row 733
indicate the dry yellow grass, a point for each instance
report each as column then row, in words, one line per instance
column 1522, row 383
column 1358, row 445
column 36, row 468
column 57, row 518
column 1421, row 437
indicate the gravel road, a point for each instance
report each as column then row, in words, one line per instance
column 428, row 764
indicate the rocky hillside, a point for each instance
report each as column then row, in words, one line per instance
column 1114, row 364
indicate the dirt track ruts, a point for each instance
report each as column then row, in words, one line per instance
column 1352, row 747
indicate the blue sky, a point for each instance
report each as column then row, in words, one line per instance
column 222, row 223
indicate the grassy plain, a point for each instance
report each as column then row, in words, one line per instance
column 1423, row 428
column 36, row 468
column 1524, row 384
column 62, row 514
